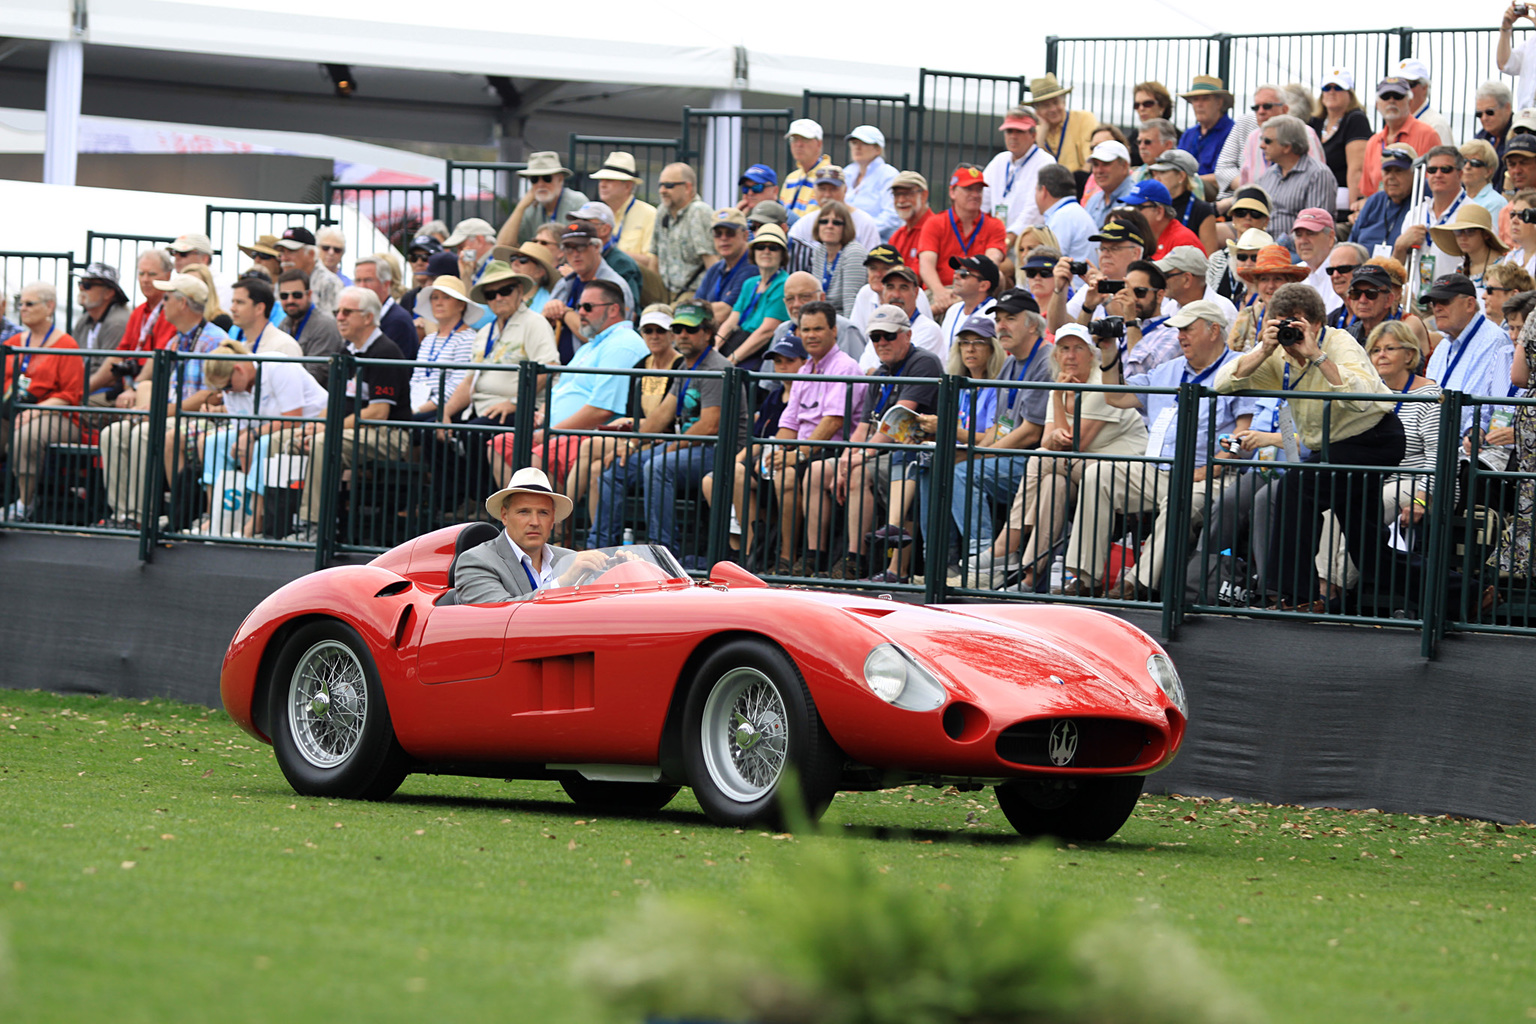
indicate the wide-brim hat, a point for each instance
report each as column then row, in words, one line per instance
column 1253, row 238
column 528, row 481
column 495, row 273
column 1274, row 259
column 770, row 234
column 1046, row 88
column 453, row 288
column 266, row 245
column 1205, row 85
column 547, row 162
column 620, row 166
column 106, row 273
column 1468, row 217
column 534, row 251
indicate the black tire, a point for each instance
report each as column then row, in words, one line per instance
column 617, row 797
column 749, row 722
column 1086, row 809
column 339, row 742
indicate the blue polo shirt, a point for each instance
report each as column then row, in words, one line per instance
column 1206, row 147
column 721, row 283
column 617, row 348
column 1380, row 220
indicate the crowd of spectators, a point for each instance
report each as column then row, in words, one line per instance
column 1274, row 242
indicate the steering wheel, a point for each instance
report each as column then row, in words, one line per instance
column 591, row 573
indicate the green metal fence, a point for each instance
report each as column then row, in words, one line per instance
column 485, row 190
column 586, row 153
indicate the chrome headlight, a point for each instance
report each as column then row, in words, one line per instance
column 1161, row 669
column 897, row 678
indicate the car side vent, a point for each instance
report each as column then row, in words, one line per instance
column 871, row 613
column 397, row 587
column 1078, row 743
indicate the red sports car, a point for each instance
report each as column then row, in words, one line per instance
column 639, row 680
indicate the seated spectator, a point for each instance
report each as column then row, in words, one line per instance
column 1110, row 487
column 1011, row 174
column 1175, row 170
column 1270, row 101
column 1056, row 195
column 316, row 331
column 419, row 257
column 634, row 220
column 125, row 444
column 1110, row 164
column 976, row 284
column 454, row 341
column 1504, row 282
column 840, row 278
column 1120, row 245
column 216, row 312
column 1475, row 355
column 1520, row 218
column 681, row 245
column 546, row 201
column 265, row 254
column 1361, row 433
column 114, row 381
column 1442, row 173
column 856, row 476
column 1225, row 264
column 1343, row 126
column 798, row 193
column 331, row 244
column 1339, row 268
column 722, row 282
column 758, row 183
column 1151, row 101
column 41, row 381
column 1398, row 126
column 1150, row 340
column 1494, row 105
column 1313, row 235
column 272, row 389
column 598, row 219
column 879, row 260
column 538, row 263
column 1184, row 269
column 1294, row 180
column 1152, row 200
column 377, row 274
column 1204, row 139
column 1471, row 234
column 831, row 187
column 1155, row 137
column 759, row 307
column 434, row 229
column 582, row 401
column 103, row 311
column 1398, row 356
column 1102, row 134
column 1376, row 296
column 1417, row 74
column 1066, row 132
column 474, row 242
column 901, row 291
column 909, row 196
column 1381, row 217
column 769, row 211
column 194, row 249
column 297, row 246
column 1250, row 209
column 963, row 230
column 869, row 178
column 250, row 308
column 801, row 289
column 8, row 327
column 584, row 256
column 1479, row 165
column 1265, row 275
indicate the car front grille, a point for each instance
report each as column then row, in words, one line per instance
column 1079, row 743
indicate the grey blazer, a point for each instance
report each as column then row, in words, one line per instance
column 490, row 572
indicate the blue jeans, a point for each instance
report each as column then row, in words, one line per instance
column 616, row 483
column 660, row 477
column 996, row 477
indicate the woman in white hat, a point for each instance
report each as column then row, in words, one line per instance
column 1343, row 126
column 445, row 303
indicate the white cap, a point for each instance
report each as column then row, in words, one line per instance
column 868, row 133
column 805, row 128
column 1109, row 151
column 1074, row 331
column 656, row 318
column 1413, row 69
column 1341, row 77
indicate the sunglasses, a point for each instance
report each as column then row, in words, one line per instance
column 1372, row 294
column 1263, row 106
column 291, row 295
column 344, row 312
column 1393, row 348
column 1144, row 104
column 541, row 179
column 1268, row 142
column 573, row 246
column 753, row 187
column 687, row 329
column 1476, row 163
column 879, row 336
column 523, row 259
column 1487, row 113
column 415, row 257
column 587, row 307
column 1333, row 88
column 1393, row 96
column 1038, row 272
column 1440, row 169
column 653, row 329
column 1496, row 288
column 1141, row 293
column 962, row 272
column 1252, row 214
column 836, row 222
column 1348, row 269
column 502, row 292
column 333, row 248
column 670, row 184
column 1251, row 257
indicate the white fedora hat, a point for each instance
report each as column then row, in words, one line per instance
column 528, row 481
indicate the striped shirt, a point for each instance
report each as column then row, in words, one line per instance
column 457, row 347
column 1308, row 184
column 798, row 193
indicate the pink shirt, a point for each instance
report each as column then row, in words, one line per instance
column 810, row 401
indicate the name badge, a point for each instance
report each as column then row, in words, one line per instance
column 1290, row 440
column 1159, row 432
column 352, row 387
column 1000, row 211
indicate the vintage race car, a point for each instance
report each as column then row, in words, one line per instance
column 638, row 680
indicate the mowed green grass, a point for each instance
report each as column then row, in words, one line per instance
column 154, row 866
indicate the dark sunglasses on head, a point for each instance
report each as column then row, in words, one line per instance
column 587, row 307
column 1263, row 106
column 500, row 293
column 1141, row 293
column 291, row 295
column 1366, row 293
column 1347, row 269
column 1440, row 169
column 753, row 187
column 686, row 329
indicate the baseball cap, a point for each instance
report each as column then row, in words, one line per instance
column 888, row 318
column 886, row 254
column 186, row 286
column 760, row 174
column 1200, row 309
column 464, row 230
column 655, row 318
column 426, row 243
column 1313, row 219
column 1147, row 191
column 903, row 271
column 441, row 263
column 830, row 174
column 1403, row 156
column 196, row 241
column 910, row 179
column 1370, row 274
column 1108, row 151
column 978, row 265
column 594, row 211
column 1018, row 122
column 1523, row 144
column 788, row 347
column 980, row 324
column 1446, row 286
column 1341, row 77
column 1016, row 300
column 1175, row 160
column 769, row 211
column 573, row 233
column 1074, row 330
column 690, row 314
column 965, row 176
column 1412, row 69
column 730, row 217
column 868, row 133
column 1187, row 258
column 1523, row 119
column 1115, row 231
column 805, row 128
column 1393, row 84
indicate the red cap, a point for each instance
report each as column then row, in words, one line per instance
column 966, row 175
column 1023, row 124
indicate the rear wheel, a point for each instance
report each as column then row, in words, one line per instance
column 1086, row 808
column 331, row 731
column 617, row 797
column 749, row 725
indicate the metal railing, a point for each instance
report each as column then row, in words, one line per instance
column 719, row 149
column 19, row 269
column 123, row 252
column 230, row 227
column 957, row 117
column 839, row 113
column 586, row 153
column 396, row 211
column 485, row 190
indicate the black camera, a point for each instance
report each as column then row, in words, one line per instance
column 1109, row 287
column 1079, row 267
column 1526, row 216
column 1109, row 327
column 1287, row 333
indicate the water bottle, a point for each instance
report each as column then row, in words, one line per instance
column 1058, row 573
column 629, row 535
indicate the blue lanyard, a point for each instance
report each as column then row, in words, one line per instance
column 1286, row 386
column 624, row 217
column 443, row 340
column 724, row 278
column 1152, row 325
column 300, row 331
column 1189, row 207
column 257, row 343
column 1471, row 333
column 757, row 296
column 1024, row 367
column 492, row 336
column 1406, row 385
column 1429, row 211
column 1062, row 144
column 826, row 275
column 26, row 360
column 1015, row 395
column 682, row 391
column 1010, row 172
column 965, row 315
column 1204, row 374
column 954, row 225
column 533, row 581
column 885, row 392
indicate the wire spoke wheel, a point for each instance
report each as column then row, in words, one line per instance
column 327, row 704
column 745, row 733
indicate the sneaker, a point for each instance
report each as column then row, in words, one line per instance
column 1072, row 586
column 885, row 576
column 304, row 533
column 17, row 512
column 203, row 527
column 986, row 571
column 120, row 523
column 1128, row 590
column 849, row 567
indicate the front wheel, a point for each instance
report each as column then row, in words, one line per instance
column 331, row 731
column 1086, row 809
column 748, row 724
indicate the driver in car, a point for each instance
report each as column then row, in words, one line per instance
column 520, row 560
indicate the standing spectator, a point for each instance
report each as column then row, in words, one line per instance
column 250, row 308
column 1417, row 74
column 1175, row 170
column 1381, row 217
column 265, row 254
column 901, row 290
column 455, row 316
column 963, row 230
column 332, row 245
column 44, row 380
column 1442, row 173
column 869, row 178
column 1111, row 165
column 377, row 274
column 633, row 218
column 837, row 260
column 1011, row 174
column 759, row 307
column 798, row 193
column 1205, row 138
column 1341, row 122
column 1513, row 62
column 831, row 187
column 147, row 330
column 1471, row 235
column 879, row 260
column 103, row 313
column 1294, row 180
column 976, row 282
column 909, row 193
column 583, row 256
column 1519, row 170
column 546, row 201
column 1479, row 162
column 1184, row 269
column 1475, row 355
column 681, row 246
column 195, row 247
column 801, row 289
column 723, row 280
column 1313, row 233
column 1398, row 126
column 1152, row 201
column 598, row 219
column 758, row 183
column 1152, row 101
column 1056, row 195
column 313, row 328
column 1067, row 132
column 299, row 253
column 1496, row 115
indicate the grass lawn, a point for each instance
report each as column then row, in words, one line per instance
column 154, row 866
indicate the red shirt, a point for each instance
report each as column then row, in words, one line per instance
column 1416, row 133
column 1174, row 235
column 49, row 376
column 139, row 336
column 941, row 234
column 904, row 240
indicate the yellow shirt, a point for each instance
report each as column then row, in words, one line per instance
column 1073, row 152
column 633, row 226
column 1356, row 374
column 798, row 193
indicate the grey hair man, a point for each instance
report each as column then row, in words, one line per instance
column 1294, row 180
column 377, row 273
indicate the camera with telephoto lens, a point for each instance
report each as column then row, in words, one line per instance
column 1526, row 216
column 1109, row 327
column 1079, row 267
column 1288, row 333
